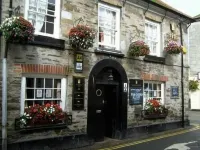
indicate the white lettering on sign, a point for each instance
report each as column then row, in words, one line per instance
column 125, row 87
column 180, row 146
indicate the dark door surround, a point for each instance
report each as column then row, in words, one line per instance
column 98, row 67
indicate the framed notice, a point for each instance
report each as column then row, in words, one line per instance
column 39, row 93
column 78, row 62
column 174, row 91
column 135, row 92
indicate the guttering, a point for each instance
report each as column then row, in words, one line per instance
column 170, row 10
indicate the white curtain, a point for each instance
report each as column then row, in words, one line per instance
column 37, row 13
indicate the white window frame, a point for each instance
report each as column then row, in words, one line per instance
column 158, row 45
column 162, row 90
column 117, row 33
column 56, row 20
column 23, row 89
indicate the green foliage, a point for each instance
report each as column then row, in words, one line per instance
column 138, row 48
column 193, row 85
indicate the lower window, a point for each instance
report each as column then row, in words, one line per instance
column 42, row 91
column 153, row 90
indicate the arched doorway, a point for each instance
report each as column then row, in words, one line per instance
column 107, row 100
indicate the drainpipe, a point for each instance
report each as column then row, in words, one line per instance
column 182, row 86
column 4, row 90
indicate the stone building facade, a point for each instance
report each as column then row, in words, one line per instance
column 53, row 58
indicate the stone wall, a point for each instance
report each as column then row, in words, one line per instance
column 132, row 28
column 194, row 48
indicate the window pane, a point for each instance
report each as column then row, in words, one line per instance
column 159, row 93
column 57, row 93
column 159, row 86
column 48, row 93
column 51, row 1
column 28, row 103
column 150, row 86
column 39, row 93
column 48, row 83
column 146, row 87
column 50, row 19
column 51, row 7
column 57, row 83
column 150, row 93
column 29, row 93
column 49, row 28
column 30, row 82
column 39, row 102
column 154, row 86
column 40, row 82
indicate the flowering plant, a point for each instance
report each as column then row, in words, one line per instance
column 81, row 36
column 42, row 114
column 17, row 29
column 138, row 48
column 154, row 106
column 173, row 48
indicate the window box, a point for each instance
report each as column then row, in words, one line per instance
column 154, row 59
column 109, row 52
column 42, row 125
column 154, row 115
column 48, row 42
column 153, row 109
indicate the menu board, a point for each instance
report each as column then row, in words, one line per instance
column 135, row 92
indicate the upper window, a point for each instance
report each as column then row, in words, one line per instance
column 152, row 37
column 42, row 91
column 44, row 15
column 109, row 27
column 153, row 90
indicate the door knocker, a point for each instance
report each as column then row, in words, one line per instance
column 98, row 92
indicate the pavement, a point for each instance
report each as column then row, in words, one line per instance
column 178, row 139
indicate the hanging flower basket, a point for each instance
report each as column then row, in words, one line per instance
column 17, row 29
column 82, row 37
column 138, row 48
column 42, row 115
column 154, row 110
column 173, row 48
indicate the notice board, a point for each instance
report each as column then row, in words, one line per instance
column 135, row 92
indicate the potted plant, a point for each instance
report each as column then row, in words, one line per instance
column 40, row 115
column 173, row 48
column 153, row 109
column 17, row 29
column 138, row 48
column 82, row 37
column 193, row 85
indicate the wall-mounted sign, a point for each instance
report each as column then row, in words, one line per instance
column 78, row 62
column 135, row 92
column 78, row 93
column 174, row 92
column 125, row 87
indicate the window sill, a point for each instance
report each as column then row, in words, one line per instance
column 48, row 42
column 154, row 59
column 109, row 52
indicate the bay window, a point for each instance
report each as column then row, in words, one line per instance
column 40, row 90
column 109, row 27
column 44, row 16
column 152, row 37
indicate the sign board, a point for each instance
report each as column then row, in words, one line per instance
column 174, row 92
column 135, row 92
column 78, row 62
